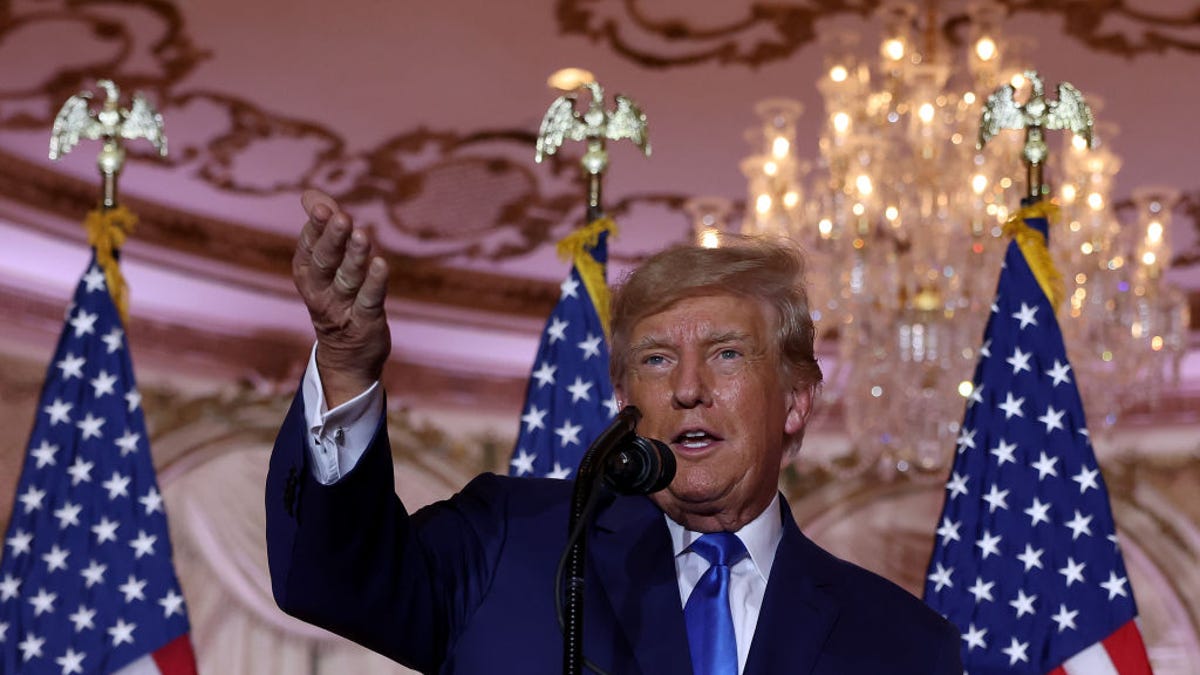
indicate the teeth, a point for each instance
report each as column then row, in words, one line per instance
column 695, row 434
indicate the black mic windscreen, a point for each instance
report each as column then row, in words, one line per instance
column 642, row 466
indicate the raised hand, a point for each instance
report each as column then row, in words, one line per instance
column 344, row 288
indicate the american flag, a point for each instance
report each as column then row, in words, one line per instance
column 1026, row 561
column 86, row 582
column 569, row 399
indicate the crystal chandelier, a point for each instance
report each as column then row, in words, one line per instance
column 902, row 219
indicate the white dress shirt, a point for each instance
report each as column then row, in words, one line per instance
column 338, row 438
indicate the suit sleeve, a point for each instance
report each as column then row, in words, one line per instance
column 349, row 557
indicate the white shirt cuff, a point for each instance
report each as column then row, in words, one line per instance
column 337, row 438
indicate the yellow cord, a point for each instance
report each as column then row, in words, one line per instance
column 1033, row 246
column 106, row 231
column 575, row 247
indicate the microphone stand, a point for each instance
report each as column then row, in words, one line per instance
column 591, row 470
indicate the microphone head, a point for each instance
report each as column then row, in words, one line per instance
column 642, row 466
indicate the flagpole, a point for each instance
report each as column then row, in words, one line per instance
column 586, row 246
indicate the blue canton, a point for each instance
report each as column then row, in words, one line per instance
column 86, row 582
column 1026, row 561
column 569, row 399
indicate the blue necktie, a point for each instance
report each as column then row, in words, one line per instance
column 709, row 621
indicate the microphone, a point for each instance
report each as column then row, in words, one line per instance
column 642, row 466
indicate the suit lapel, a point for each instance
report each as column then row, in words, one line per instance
column 630, row 550
column 797, row 613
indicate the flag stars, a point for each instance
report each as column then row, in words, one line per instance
column 89, row 426
column 580, row 390
column 1024, row 603
column 71, row 662
column 1031, row 557
column 113, row 339
column 1086, row 479
column 957, row 485
column 949, row 531
column 117, row 486
column 569, row 288
column 106, row 530
column 133, row 398
column 996, row 499
column 59, row 412
column 545, row 374
column 31, row 646
column 102, row 384
column 976, row 395
column 56, row 559
column 84, row 323
column 94, row 280
column 9, row 587
column 559, row 471
column 19, row 542
column 172, row 603
column 67, row 514
column 32, row 499
column 44, row 454
column 93, row 574
column 1115, row 586
column 122, row 632
column 1052, row 419
column 1004, row 452
column 534, row 419
column 1016, row 651
column 522, row 462
column 942, row 578
column 133, row 589
column 1045, row 466
column 568, row 433
column 3, row 632
column 152, row 501
column 43, row 602
column 557, row 330
column 591, row 346
column 71, row 366
column 1019, row 361
column 986, row 349
column 1059, row 373
column 974, row 637
column 80, row 471
column 1065, row 618
column 1038, row 512
column 143, row 544
column 982, row 591
column 83, row 618
column 1012, row 406
column 1080, row 524
column 1025, row 316
column 966, row 439
column 128, row 442
column 611, row 406
column 989, row 544
column 1073, row 571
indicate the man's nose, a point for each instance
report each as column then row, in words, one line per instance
column 691, row 384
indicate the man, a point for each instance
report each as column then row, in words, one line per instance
column 715, row 347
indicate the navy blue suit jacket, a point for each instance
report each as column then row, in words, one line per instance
column 466, row 585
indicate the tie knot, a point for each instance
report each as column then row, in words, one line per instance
column 720, row 548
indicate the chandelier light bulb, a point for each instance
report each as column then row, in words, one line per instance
column 893, row 48
column 838, row 73
column 710, row 238
column 841, row 122
column 791, row 199
column 763, row 204
column 1078, row 142
column 863, row 185
column 979, row 183
column 780, row 147
column 1148, row 258
column 925, row 112
column 1018, row 81
column 985, row 48
column 1154, row 232
column 1068, row 193
column 1095, row 201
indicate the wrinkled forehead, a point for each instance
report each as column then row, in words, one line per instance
column 708, row 316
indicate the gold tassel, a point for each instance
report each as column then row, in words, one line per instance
column 575, row 247
column 107, row 229
column 1033, row 245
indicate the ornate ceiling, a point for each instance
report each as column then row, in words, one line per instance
column 421, row 119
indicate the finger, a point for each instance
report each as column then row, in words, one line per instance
column 369, row 301
column 353, row 270
column 316, row 202
column 330, row 248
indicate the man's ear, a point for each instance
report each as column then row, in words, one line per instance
column 799, row 406
column 619, row 393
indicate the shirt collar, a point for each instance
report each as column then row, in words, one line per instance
column 760, row 536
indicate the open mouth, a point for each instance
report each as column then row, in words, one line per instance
column 695, row 439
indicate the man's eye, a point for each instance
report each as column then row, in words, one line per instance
column 728, row 354
column 654, row 360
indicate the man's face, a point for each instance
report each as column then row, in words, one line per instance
column 705, row 374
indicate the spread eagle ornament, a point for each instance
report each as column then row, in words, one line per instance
column 75, row 120
column 1002, row 111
